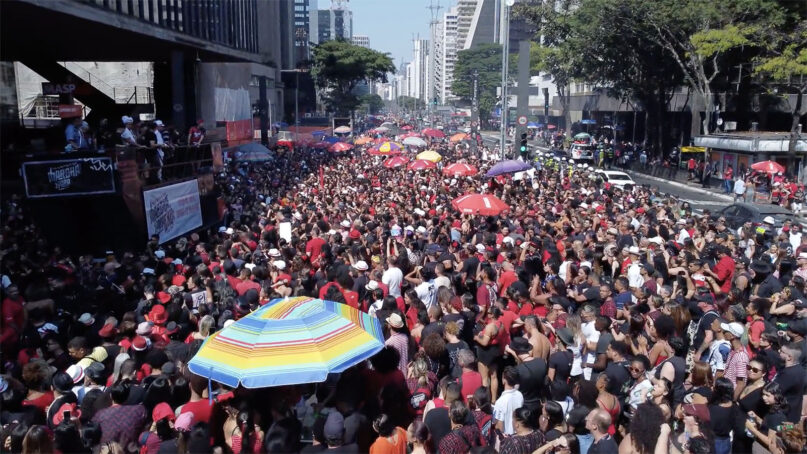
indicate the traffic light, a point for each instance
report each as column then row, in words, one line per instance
column 523, row 148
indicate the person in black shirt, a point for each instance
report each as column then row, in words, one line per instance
column 531, row 372
column 560, row 361
column 791, row 380
column 597, row 423
column 617, row 370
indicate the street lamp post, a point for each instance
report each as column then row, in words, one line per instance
column 296, row 72
column 504, row 35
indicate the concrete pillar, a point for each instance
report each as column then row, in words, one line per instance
column 523, row 98
column 178, row 107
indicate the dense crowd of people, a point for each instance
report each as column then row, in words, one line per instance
column 586, row 319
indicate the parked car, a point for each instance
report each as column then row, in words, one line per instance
column 739, row 213
column 616, row 178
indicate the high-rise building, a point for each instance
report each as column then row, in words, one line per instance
column 305, row 12
column 484, row 24
column 419, row 77
column 448, row 56
column 335, row 22
column 466, row 9
column 361, row 40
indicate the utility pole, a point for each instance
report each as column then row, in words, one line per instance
column 435, row 13
column 475, row 113
column 504, row 36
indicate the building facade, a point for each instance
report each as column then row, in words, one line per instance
column 448, row 58
column 361, row 40
column 305, row 19
column 335, row 22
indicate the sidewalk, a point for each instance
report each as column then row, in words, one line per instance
column 715, row 188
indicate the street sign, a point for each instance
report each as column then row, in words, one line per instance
column 522, row 120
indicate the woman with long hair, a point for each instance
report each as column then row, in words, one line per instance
column 527, row 437
column 482, row 411
column 725, row 415
column 391, row 439
column 644, row 430
column 490, row 347
column 552, row 421
column 661, row 395
column 419, row 438
column 763, row 428
column 750, row 400
column 700, row 380
column 37, row 441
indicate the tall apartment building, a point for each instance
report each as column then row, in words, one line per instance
column 305, row 20
column 448, row 57
column 418, row 74
column 435, row 75
column 335, row 22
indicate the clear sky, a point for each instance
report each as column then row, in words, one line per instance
column 391, row 24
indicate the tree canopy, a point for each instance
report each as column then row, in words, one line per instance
column 372, row 102
column 640, row 51
column 486, row 60
column 338, row 66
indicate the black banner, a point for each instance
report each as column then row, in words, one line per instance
column 68, row 177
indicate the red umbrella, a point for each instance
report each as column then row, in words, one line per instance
column 395, row 161
column 482, row 204
column 421, row 164
column 376, row 152
column 434, row 133
column 341, row 146
column 406, row 127
column 460, row 170
column 551, row 126
column 768, row 167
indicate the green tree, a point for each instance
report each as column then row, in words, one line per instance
column 410, row 103
column 338, row 66
column 782, row 66
column 559, row 51
column 614, row 53
column 486, row 60
column 700, row 36
column 373, row 102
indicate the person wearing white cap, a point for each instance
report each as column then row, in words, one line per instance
column 635, row 278
column 737, row 361
column 127, row 136
column 157, row 143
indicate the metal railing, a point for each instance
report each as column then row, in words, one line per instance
column 178, row 163
column 121, row 95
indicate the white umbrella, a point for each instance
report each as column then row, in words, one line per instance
column 387, row 124
column 414, row 141
column 342, row 130
column 382, row 129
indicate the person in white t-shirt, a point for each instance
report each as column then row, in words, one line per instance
column 508, row 402
column 393, row 278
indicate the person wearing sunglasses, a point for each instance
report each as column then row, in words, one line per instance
column 641, row 383
column 565, row 444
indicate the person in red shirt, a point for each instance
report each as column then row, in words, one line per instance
column 313, row 248
column 471, row 379
column 199, row 404
column 246, row 282
column 13, row 319
column 724, row 269
column 506, row 278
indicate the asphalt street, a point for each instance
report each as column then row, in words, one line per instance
column 697, row 197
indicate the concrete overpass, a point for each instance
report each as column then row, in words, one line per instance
column 184, row 39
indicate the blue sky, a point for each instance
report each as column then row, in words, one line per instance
column 390, row 24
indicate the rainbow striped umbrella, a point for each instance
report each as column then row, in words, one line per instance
column 289, row 341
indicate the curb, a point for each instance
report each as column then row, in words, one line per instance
column 725, row 197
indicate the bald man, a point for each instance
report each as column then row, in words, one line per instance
column 597, row 422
